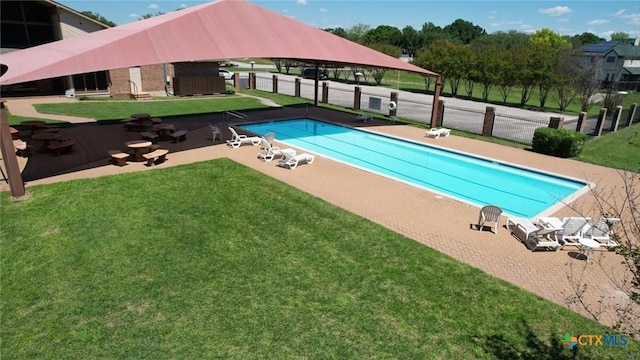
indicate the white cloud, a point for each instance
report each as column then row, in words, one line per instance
column 620, row 12
column 634, row 19
column 598, row 22
column 135, row 16
column 556, row 11
column 183, row 6
column 154, row 7
column 323, row 10
column 301, row 2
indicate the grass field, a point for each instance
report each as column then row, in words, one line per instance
column 215, row 260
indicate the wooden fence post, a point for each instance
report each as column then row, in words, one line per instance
column 274, row 84
column 632, row 114
column 581, row 118
column 489, row 118
column 616, row 118
column 356, row 98
column 601, row 117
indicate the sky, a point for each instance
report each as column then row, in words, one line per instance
column 601, row 17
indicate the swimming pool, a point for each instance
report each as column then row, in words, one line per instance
column 480, row 181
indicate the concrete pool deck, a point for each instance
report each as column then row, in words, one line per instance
column 443, row 224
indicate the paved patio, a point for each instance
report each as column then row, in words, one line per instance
column 441, row 223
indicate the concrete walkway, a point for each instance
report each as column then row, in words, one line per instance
column 442, row 223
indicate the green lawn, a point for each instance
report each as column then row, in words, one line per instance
column 215, row 260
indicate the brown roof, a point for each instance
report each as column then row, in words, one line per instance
column 220, row 30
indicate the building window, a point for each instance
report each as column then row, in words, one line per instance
column 611, row 59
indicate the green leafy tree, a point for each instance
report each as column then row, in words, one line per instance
column 383, row 34
column 507, row 72
column 525, row 77
column 391, row 50
column 586, row 38
column 98, row 17
column 546, row 44
column 487, row 70
column 410, row 40
column 431, row 33
column 508, row 40
column 464, row 31
column 337, row 31
column 148, row 16
column 356, row 32
column 567, row 73
column 619, row 36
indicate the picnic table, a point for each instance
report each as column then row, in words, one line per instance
column 138, row 146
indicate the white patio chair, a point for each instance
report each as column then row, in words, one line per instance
column 490, row 213
column 572, row 231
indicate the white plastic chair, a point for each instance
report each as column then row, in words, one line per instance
column 437, row 132
column 490, row 213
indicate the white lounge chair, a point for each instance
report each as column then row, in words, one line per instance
column 291, row 160
column 601, row 231
column 535, row 237
column 490, row 213
column 572, row 231
column 364, row 117
column 270, row 152
column 437, row 132
column 237, row 140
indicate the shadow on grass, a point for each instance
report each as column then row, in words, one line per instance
column 534, row 347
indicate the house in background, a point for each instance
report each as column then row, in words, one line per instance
column 615, row 63
column 25, row 23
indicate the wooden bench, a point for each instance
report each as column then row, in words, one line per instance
column 149, row 136
column 61, row 146
column 180, row 135
column 160, row 154
column 119, row 157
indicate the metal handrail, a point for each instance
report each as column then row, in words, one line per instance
column 236, row 114
column 135, row 89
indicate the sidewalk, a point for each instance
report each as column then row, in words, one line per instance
column 24, row 107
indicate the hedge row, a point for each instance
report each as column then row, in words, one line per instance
column 558, row 142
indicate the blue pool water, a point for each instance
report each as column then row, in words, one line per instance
column 518, row 191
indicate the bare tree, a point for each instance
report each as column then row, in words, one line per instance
column 621, row 202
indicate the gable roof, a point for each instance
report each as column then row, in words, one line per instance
column 216, row 31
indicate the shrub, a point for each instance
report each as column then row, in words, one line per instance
column 229, row 89
column 558, row 142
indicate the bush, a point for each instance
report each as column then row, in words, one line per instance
column 558, row 142
column 230, row 90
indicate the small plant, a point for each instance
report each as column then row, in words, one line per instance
column 229, row 89
column 558, row 142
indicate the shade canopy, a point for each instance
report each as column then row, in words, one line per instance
column 216, row 31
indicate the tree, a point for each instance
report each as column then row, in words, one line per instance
column 506, row 76
column 619, row 36
column 431, row 33
column 391, row 50
column 487, row 70
column 148, row 16
column 545, row 44
column 622, row 202
column 586, row 38
column 383, row 34
column 567, row 73
column 98, row 17
column 409, row 41
column 526, row 74
column 337, row 31
column 357, row 32
column 464, row 31
column 509, row 40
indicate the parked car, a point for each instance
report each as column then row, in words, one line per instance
column 310, row 73
column 228, row 75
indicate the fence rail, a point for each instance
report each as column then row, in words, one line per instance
column 505, row 125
